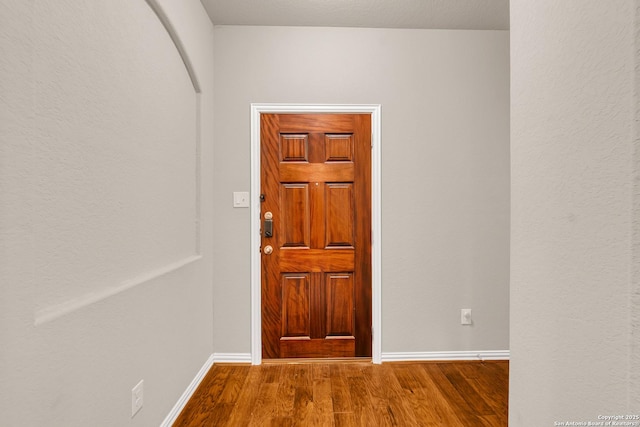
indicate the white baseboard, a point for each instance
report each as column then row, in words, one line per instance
column 182, row 402
column 446, row 355
column 232, row 357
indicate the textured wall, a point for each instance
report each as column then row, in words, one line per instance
column 445, row 169
column 572, row 121
column 634, row 395
column 100, row 207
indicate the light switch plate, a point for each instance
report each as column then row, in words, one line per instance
column 241, row 199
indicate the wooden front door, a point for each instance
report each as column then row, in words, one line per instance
column 316, row 248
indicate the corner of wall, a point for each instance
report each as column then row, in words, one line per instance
column 634, row 310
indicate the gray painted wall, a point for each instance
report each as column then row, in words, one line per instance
column 99, row 206
column 635, row 282
column 445, row 169
column 575, row 206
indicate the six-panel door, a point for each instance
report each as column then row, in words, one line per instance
column 316, row 282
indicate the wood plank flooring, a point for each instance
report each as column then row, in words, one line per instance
column 354, row 393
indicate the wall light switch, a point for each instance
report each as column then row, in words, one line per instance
column 241, row 199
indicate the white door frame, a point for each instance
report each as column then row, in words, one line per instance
column 256, row 268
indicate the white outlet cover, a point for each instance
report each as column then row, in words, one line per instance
column 137, row 398
column 465, row 316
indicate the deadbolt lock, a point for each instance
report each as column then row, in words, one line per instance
column 268, row 224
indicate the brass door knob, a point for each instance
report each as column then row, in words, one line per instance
column 267, row 250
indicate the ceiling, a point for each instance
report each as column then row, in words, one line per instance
column 429, row 14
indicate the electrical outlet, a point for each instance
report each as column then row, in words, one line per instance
column 137, row 398
column 465, row 316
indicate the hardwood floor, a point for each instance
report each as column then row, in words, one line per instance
column 306, row 393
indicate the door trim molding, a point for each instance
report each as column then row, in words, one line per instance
column 376, row 253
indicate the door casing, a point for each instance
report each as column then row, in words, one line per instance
column 256, row 270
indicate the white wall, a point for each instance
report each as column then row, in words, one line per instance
column 635, row 282
column 574, row 210
column 105, row 266
column 445, row 169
